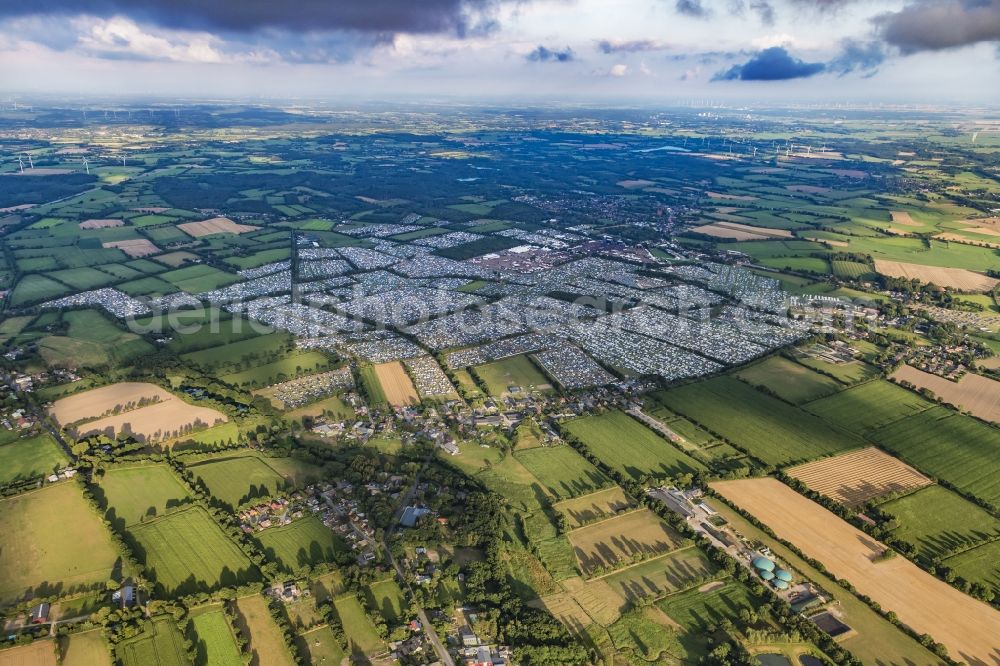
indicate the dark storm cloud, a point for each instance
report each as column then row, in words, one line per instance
column 693, row 8
column 545, row 54
column 632, row 46
column 423, row 16
column 773, row 64
column 935, row 25
column 858, row 56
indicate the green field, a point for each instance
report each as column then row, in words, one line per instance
column 637, row 636
column 371, row 386
column 563, row 472
column 951, row 447
column 362, row 638
column 301, row 543
column 869, row 406
column 320, row 646
column 979, row 565
column 769, row 429
column 629, row 447
column 238, row 480
column 160, row 643
column 205, row 329
column 696, row 611
column 259, row 258
column 798, row 264
column 199, row 278
column 91, row 339
column 186, row 552
column 53, row 542
column 386, row 597
column 243, row 351
column 557, row 556
column 788, row 380
column 656, row 577
column 214, row 640
column 851, row 269
column 35, row 289
column 141, row 493
column 939, row 522
column 847, row 373
column 289, row 367
column 30, row 458
column 518, row 371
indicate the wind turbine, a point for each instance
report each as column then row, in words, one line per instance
column 123, row 160
column 31, row 164
column 975, row 135
column 20, row 163
column 86, row 165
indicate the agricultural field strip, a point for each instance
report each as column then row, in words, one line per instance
column 967, row 627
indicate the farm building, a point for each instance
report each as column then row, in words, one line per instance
column 40, row 613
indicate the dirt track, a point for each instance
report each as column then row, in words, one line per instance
column 969, row 629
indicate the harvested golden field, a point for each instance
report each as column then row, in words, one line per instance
column 216, row 225
column 904, row 218
column 986, row 231
column 959, row 278
column 102, row 401
column 564, row 608
column 958, row 238
column 396, row 384
column 117, row 407
column 722, row 232
column 39, row 653
column 267, row 646
column 979, row 395
column 612, row 543
column 156, row 423
column 101, row 224
column 600, row 601
column 135, row 248
column 967, row 627
column 740, row 231
column 856, row 477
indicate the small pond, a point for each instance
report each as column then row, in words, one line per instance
column 773, row 660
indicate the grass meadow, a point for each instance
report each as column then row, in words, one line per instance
column 629, row 447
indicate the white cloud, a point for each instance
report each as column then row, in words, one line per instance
column 123, row 37
column 618, row 70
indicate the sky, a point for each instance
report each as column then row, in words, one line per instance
column 602, row 51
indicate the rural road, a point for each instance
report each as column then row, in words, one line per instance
column 428, row 628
